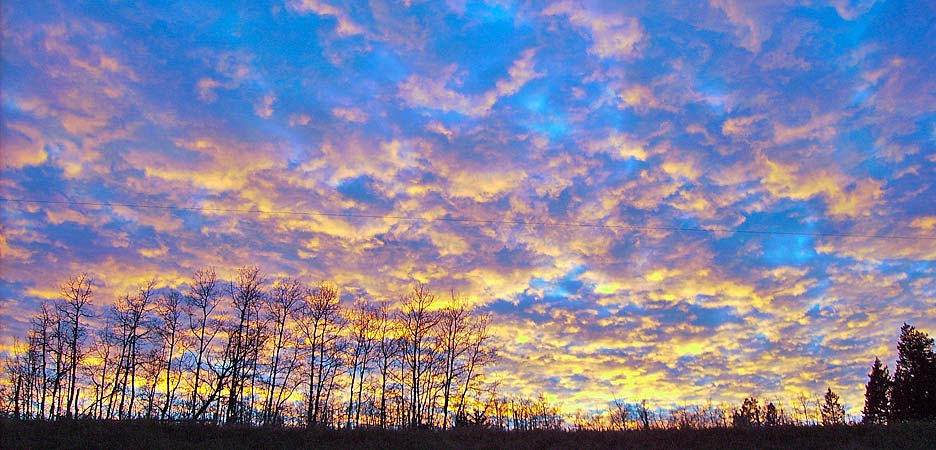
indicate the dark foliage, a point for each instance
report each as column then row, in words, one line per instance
column 772, row 417
column 832, row 411
column 74, row 434
column 748, row 416
column 877, row 392
column 913, row 396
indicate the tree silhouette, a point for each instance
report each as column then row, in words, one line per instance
column 246, row 360
column 913, row 396
column 772, row 416
column 749, row 415
column 619, row 414
column 362, row 325
column 877, row 391
column 169, row 309
column 283, row 303
column 643, row 415
column 76, row 298
column 831, row 410
column 203, row 298
column 244, row 357
column 388, row 347
column 245, row 335
column 130, row 317
column 417, row 320
column 320, row 322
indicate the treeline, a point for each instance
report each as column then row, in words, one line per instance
column 910, row 395
column 278, row 352
column 751, row 413
column 250, row 351
column 907, row 396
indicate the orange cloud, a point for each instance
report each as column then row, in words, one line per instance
column 843, row 196
column 433, row 93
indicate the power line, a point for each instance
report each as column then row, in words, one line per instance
column 473, row 221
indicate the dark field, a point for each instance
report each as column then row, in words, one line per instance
column 150, row 435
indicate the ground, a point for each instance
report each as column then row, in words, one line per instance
column 152, row 435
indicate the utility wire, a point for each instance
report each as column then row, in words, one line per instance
column 473, row 221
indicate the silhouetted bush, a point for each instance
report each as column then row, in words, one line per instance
column 86, row 434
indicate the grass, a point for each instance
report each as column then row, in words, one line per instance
column 85, row 434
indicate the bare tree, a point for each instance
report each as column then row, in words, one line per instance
column 169, row 310
column 283, row 303
column 130, row 316
column 102, row 376
column 76, row 293
column 246, row 296
column 15, row 400
column 455, row 342
column 644, row 415
column 320, row 322
column 804, row 417
column 620, row 415
column 196, row 356
column 201, row 302
column 361, row 323
column 417, row 321
column 478, row 355
column 42, row 336
column 151, row 364
column 388, row 349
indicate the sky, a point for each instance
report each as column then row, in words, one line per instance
column 679, row 201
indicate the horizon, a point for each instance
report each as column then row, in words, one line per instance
column 681, row 203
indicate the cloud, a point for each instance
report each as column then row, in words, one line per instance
column 351, row 114
column 441, row 129
column 853, row 9
column 22, row 146
column 299, row 120
column 434, row 93
column 208, row 163
column 206, row 89
column 820, row 128
column 92, row 60
column 739, row 126
column 924, row 223
column 752, row 22
column 639, row 97
column 613, row 35
column 483, row 186
column 843, row 196
column 264, row 107
column 521, row 72
column 619, row 145
column 231, row 70
column 346, row 26
column 554, row 164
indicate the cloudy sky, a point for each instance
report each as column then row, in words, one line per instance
column 677, row 202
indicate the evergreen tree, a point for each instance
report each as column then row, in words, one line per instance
column 772, row 417
column 832, row 411
column 913, row 396
column 877, row 391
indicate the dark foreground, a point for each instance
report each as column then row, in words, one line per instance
column 151, row 435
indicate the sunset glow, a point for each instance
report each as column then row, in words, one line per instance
column 684, row 203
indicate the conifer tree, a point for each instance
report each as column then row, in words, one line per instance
column 877, row 392
column 772, row 416
column 831, row 410
column 913, row 396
